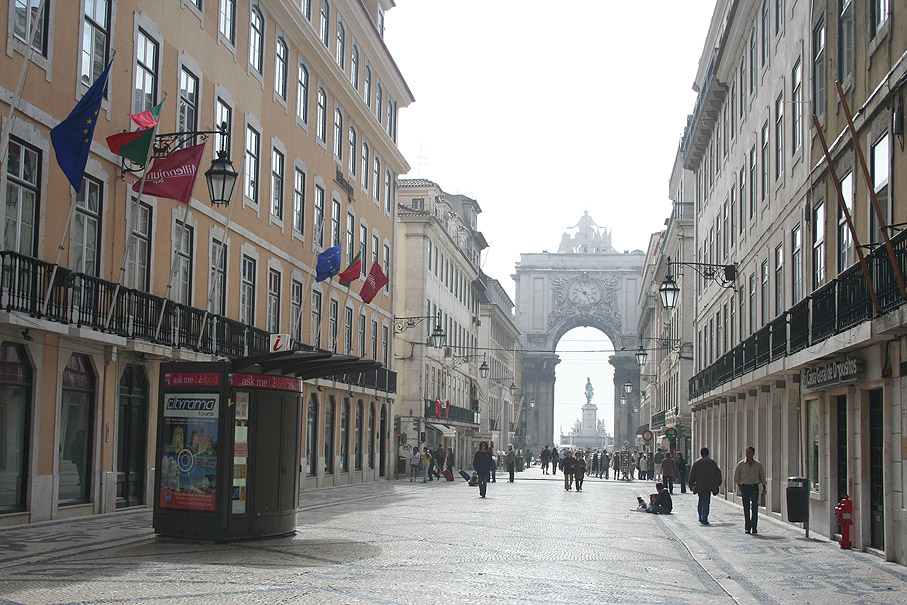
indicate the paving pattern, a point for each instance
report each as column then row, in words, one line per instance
column 402, row 542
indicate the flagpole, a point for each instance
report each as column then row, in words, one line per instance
column 53, row 273
column 130, row 223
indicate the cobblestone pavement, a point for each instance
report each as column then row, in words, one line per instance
column 402, row 542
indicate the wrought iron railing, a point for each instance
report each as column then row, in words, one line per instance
column 838, row 305
column 453, row 413
column 90, row 302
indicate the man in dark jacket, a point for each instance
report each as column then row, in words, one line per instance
column 555, row 458
column 481, row 464
column 567, row 466
column 545, row 457
column 510, row 459
column 705, row 480
column 681, row 464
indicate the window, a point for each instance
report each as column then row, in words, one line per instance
column 352, row 151
column 318, row 219
column 374, row 340
column 752, row 303
column 95, row 40
column 217, row 303
column 85, row 234
column 335, row 223
column 357, row 446
column 812, row 443
column 354, row 67
column 340, row 53
column 324, row 32
column 796, row 264
column 389, row 124
column 350, row 236
column 184, row 263
column 23, row 171
column 742, row 304
column 280, row 69
column 316, row 318
column 731, row 308
column 764, row 160
column 879, row 166
column 256, row 41
column 15, row 393
column 779, row 16
column 371, row 438
column 333, row 311
column 376, row 179
column 311, row 436
column 753, row 61
column 766, row 24
column 146, row 60
column 733, row 108
column 277, row 164
column 24, row 21
column 764, row 292
column 378, row 101
column 76, row 435
column 306, row 7
column 273, row 301
column 779, row 137
column 385, row 349
column 247, row 292
column 296, row 310
column 367, row 89
column 361, row 334
column 742, row 196
column 387, row 265
column 226, row 20
column 845, row 40
column 302, row 94
column 187, row 108
column 364, row 166
column 299, row 201
column 338, row 135
column 388, row 198
column 345, row 436
column 139, row 253
column 779, row 279
column 796, row 134
column 253, row 150
column 348, row 331
column 845, row 239
column 376, row 244
column 363, row 245
column 223, row 115
column 752, row 181
column 819, row 69
column 879, row 15
column 730, row 216
column 818, row 244
column 742, row 87
column 322, row 124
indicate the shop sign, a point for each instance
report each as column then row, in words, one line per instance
column 832, row 372
column 671, row 432
column 189, row 461
column 265, row 381
column 192, row 379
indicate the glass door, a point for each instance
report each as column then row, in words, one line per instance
column 132, row 437
column 876, row 486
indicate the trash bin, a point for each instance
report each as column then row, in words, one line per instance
column 797, row 499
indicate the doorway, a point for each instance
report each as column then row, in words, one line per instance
column 382, row 443
column 132, row 437
column 876, row 486
column 842, row 446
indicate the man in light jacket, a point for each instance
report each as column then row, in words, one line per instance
column 748, row 476
column 705, row 480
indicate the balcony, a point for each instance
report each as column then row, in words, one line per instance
column 456, row 414
column 89, row 302
column 834, row 307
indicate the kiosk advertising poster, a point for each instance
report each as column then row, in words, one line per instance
column 189, row 460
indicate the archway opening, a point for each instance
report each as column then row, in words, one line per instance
column 584, row 353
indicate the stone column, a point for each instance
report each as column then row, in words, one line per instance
column 537, row 374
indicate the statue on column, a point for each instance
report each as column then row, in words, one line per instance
column 589, row 390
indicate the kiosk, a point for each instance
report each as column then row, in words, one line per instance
column 229, row 443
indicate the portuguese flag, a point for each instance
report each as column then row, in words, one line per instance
column 351, row 273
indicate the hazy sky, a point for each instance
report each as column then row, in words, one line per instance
column 541, row 110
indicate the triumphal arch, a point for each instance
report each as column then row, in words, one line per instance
column 585, row 283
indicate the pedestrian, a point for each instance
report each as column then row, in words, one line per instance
column 494, row 467
column 450, row 459
column 545, row 457
column 650, row 466
column 681, row 464
column 510, row 461
column 528, row 458
column 415, row 459
column 643, row 467
column 634, row 464
column 748, row 476
column 660, row 502
column 579, row 471
column 568, row 463
column 668, row 470
column 659, row 459
column 595, row 463
column 554, row 460
column 604, row 465
column 440, row 457
column 481, row 464
column 426, row 464
column 705, row 480
column 615, row 464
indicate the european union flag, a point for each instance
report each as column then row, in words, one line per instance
column 328, row 264
column 72, row 137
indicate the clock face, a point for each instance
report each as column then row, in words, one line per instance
column 584, row 293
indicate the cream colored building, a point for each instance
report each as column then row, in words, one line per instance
column 310, row 95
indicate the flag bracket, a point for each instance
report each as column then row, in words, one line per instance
column 166, row 143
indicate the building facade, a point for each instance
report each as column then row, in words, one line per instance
column 802, row 358
column 439, row 287
column 310, row 96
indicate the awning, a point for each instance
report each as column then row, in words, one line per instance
column 445, row 430
column 304, row 365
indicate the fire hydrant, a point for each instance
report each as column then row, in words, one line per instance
column 844, row 513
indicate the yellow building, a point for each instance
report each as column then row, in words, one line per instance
column 310, row 95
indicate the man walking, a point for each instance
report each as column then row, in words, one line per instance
column 555, row 457
column 681, row 464
column 705, row 480
column 546, row 458
column 510, row 460
column 567, row 466
column 748, row 476
column 481, row 464
column 668, row 469
column 659, row 460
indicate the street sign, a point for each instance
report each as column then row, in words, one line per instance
column 647, row 435
column 280, row 342
column 671, row 432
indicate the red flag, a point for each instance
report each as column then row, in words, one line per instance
column 373, row 283
column 173, row 177
column 447, row 408
column 438, row 408
column 351, row 273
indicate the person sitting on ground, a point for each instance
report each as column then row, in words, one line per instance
column 661, row 501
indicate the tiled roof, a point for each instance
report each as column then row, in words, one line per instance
column 416, row 183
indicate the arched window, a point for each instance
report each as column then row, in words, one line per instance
column 345, row 436
column 357, row 441
column 256, row 40
column 338, row 134
column 329, row 411
column 354, row 66
column 371, row 437
column 322, row 115
column 367, row 93
column 280, row 69
column 15, row 420
column 77, row 422
column 352, row 158
column 341, row 44
column 325, row 23
column 311, row 436
column 302, row 100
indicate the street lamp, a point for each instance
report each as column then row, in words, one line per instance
column 532, row 403
column 723, row 275
column 483, row 369
column 623, row 400
column 628, row 386
column 221, row 179
column 437, row 337
column 669, row 291
column 641, row 356
column 512, row 389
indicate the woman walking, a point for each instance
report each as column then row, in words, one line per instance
column 579, row 471
column 415, row 459
column 481, row 464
